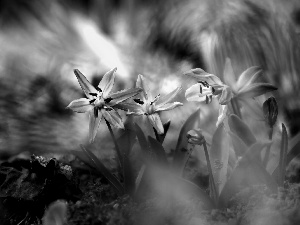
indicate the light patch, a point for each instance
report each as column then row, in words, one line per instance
column 102, row 47
column 168, row 84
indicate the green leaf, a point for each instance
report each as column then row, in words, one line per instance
column 219, row 154
column 283, row 156
column 179, row 155
column 238, row 127
column 254, row 90
column 96, row 163
column 158, row 151
column 145, row 147
column 139, row 178
column 161, row 137
column 56, row 214
column 125, row 143
column 293, row 151
column 248, row 172
column 238, row 145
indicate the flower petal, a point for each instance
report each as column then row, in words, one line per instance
column 201, row 75
column 168, row 98
column 141, row 83
column 81, row 105
column 197, row 93
column 156, row 122
column 94, row 124
column 123, row 95
column 254, row 90
column 113, row 117
column 168, row 106
column 226, row 95
column 229, row 76
column 107, row 82
column 131, row 108
column 85, row 85
column 249, row 76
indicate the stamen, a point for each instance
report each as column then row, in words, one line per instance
column 98, row 89
column 91, row 101
column 107, row 100
column 107, row 108
column 139, row 101
column 213, row 89
column 200, row 89
column 93, row 94
column 95, row 112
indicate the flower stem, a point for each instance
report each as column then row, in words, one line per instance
column 267, row 154
column 235, row 108
column 211, row 177
column 120, row 157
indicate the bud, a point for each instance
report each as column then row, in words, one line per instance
column 195, row 137
column 270, row 109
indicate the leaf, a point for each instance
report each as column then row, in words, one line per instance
column 238, row 145
column 125, row 143
column 161, row 137
column 56, row 214
column 294, row 150
column 191, row 123
column 139, row 178
column 158, row 151
column 219, row 154
column 142, row 139
column 238, row 127
column 193, row 189
column 254, row 90
column 96, row 163
column 283, row 156
column 248, row 172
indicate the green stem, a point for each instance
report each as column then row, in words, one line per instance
column 120, row 157
column 267, row 154
column 213, row 185
column 235, row 108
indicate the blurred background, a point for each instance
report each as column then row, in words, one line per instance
column 42, row 42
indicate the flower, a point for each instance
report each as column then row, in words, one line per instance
column 248, row 85
column 195, row 137
column 270, row 109
column 150, row 106
column 100, row 102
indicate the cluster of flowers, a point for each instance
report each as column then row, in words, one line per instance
column 100, row 102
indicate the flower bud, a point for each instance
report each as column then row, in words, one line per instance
column 195, row 137
column 270, row 109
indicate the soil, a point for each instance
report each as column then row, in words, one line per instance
column 91, row 200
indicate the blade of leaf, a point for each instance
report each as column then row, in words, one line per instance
column 293, row 151
column 238, row 127
column 219, row 154
column 158, row 151
column 238, row 145
column 125, row 143
column 283, row 156
column 192, row 122
column 255, row 89
column 142, row 140
column 248, row 172
column 96, row 163
column 161, row 137
column 139, row 178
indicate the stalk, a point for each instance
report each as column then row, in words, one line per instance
column 213, row 185
column 120, row 157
